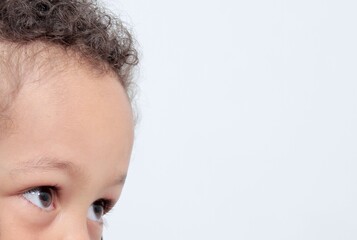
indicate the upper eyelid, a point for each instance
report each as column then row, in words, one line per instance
column 54, row 188
column 108, row 204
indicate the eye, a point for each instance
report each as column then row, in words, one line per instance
column 98, row 209
column 41, row 197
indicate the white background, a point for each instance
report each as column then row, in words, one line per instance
column 248, row 121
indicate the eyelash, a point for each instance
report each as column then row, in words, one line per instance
column 107, row 204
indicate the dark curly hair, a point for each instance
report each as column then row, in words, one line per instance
column 76, row 24
column 80, row 26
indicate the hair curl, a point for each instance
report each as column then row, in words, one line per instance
column 79, row 25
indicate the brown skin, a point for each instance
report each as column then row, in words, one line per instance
column 73, row 130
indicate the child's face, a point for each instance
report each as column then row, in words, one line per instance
column 66, row 158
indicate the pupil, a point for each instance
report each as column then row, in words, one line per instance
column 46, row 198
column 98, row 210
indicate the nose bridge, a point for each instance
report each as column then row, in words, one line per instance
column 72, row 227
column 76, row 233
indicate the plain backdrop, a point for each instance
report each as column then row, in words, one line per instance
column 248, row 115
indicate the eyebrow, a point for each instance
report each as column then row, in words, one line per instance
column 46, row 164
column 51, row 164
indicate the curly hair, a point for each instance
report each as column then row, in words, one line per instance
column 77, row 25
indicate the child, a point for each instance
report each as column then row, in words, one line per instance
column 66, row 122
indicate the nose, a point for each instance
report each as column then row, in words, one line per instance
column 72, row 227
column 75, row 231
column 76, row 234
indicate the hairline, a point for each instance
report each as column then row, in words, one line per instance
column 18, row 60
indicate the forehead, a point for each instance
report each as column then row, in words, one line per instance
column 72, row 113
column 39, row 62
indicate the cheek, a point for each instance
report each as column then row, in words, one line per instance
column 19, row 220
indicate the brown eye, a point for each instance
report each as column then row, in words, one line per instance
column 41, row 197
